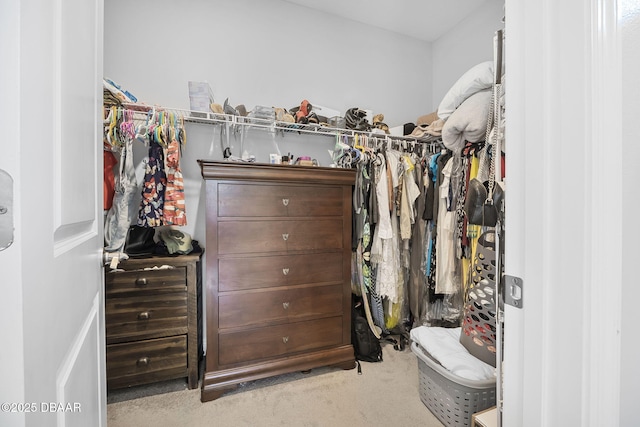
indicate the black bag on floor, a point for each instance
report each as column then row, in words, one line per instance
column 365, row 344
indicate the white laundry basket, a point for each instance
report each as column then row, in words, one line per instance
column 452, row 399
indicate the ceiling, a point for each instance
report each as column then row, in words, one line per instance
column 421, row 19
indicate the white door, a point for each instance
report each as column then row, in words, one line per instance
column 52, row 361
column 564, row 203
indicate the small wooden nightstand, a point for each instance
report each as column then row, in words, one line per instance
column 153, row 320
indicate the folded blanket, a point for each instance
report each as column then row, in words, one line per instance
column 468, row 122
column 477, row 78
column 443, row 344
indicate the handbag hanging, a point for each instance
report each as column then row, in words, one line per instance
column 484, row 199
column 481, row 210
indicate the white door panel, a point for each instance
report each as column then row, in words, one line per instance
column 74, row 134
column 630, row 345
column 564, row 210
column 81, row 371
column 54, row 267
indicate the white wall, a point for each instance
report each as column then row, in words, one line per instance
column 269, row 53
column 467, row 44
column 274, row 53
column 264, row 53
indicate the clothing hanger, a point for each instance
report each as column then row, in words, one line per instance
column 182, row 134
column 356, row 144
column 113, row 127
column 127, row 127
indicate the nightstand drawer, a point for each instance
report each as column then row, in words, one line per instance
column 143, row 317
column 278, row 305
column 242, row 273
column 239, row 237
column 146, row 281
column 146, row 361
column 280, row 340
column 241, row 200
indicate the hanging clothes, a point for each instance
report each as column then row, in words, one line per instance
column 412, row 244
column 118, row 218
column 445, row 277
column 410, row 193
column 389, row 273
column 417, row 278
column 174, row 205
column 151, row 212
column 109, row 160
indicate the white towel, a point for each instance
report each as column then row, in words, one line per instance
column 443, row 344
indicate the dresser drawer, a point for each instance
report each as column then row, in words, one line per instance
column 145, row 316
column 240, row 237
column 269, row 271
column 246, row 200
column 146, row 361
column 285, row 304
column 146, row 282
column 280, row 340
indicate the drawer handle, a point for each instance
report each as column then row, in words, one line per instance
column 143, row 361
column 285, row 305
column 141, row 281
column 285, row 236
column 285, row 202
column 285, row 339
column 145, row 315
column 285, row 271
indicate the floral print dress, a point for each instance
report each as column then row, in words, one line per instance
column 153, row 189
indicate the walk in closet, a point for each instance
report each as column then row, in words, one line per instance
column 376, row 214
column 571, row 93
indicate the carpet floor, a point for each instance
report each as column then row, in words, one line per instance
column 386, row 394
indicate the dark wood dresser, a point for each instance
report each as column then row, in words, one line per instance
column 153, row 320
column 278, row 271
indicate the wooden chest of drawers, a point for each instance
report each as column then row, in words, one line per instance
column 278, row 271
column 153, row 321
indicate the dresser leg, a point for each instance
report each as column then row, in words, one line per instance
column 193, row 381
column 346, row 365
column 213, row 394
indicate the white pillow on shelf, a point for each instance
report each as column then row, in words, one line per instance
column 477, row 78
column 468, row 122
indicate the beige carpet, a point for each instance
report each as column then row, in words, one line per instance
column 386, row 394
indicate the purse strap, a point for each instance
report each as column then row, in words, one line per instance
column 491, row 138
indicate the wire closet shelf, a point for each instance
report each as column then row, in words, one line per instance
column 272, row 125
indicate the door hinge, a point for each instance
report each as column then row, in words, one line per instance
column 513, row 291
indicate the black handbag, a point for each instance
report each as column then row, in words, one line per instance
column 477, row 207
column 483, row 202
column 140, row 241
